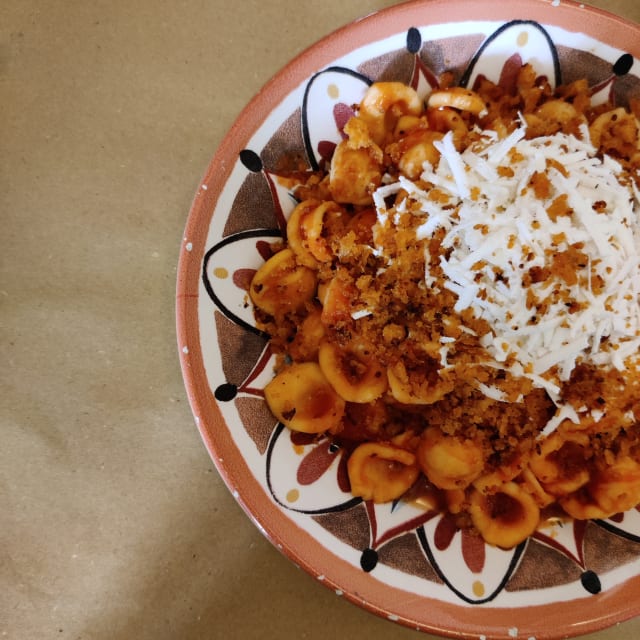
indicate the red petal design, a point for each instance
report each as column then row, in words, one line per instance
column 444, row 532
column 579, row 530
column 343, row 475
column 473, row 551
column 341, row 114
column 509, row 73
column 246, row 387
column 242, row 278
column 421, row 69
column 326, row 149
column 315, row 463
column 301, row 439
column 264, row 249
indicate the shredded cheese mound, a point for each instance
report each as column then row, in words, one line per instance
column 541, row 241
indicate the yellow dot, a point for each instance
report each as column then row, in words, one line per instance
column 333, row 91
column 221, row 272
column 478, row 589
column 293, row 495
column 298, row 448
column 523, row 38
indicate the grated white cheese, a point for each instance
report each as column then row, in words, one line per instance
column 494, row 218
column 492, row 392
column 360, row 313
column 456, row 164
column 565, row 412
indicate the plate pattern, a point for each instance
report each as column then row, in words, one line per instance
column 306, row 475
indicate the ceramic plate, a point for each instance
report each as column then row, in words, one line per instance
column 397, row 561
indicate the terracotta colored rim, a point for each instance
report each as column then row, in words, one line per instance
column 550, row 621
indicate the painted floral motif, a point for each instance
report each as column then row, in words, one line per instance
column 306, row 474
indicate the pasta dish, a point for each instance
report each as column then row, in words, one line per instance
column 457, row 302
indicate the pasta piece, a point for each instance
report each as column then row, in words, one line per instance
column 616, row 130
column 504, row 517
column 303, row 400
column 457, row 98
column 532, row 486
column 560, row 463
column 281, row 284
column 314, row 226
column 582, row 506
column 417, row 387
column 306, row 342
column 554, row 116
column 406, row 123
column 381, row 472
column 617, row 488
column 446, row 119
column 504, row 473
column 336, row 298
column 310, row 227
column 384, row 104
column 355, row 175
column 353, row 371
column 296, row 233
column 361, row 224
column 356, row 166
column 449, row 462
column 416, row 149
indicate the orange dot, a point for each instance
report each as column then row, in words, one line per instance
column 220, row 272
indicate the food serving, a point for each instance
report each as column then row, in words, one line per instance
column 457, row 300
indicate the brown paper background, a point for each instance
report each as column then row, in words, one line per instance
column 113, row 522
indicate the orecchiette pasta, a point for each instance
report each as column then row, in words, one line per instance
column 356, row 166
column 560, row 463
column 450, row 462
column 617, row 488
column 504, row 516
column 617, row 128
column 381, row 472
column 297, row 233
column 402, row 336
column 301, row 397
column 384, row 104
column 316, row 226
column 416, row 386
column 352, row 371
column 282, row 284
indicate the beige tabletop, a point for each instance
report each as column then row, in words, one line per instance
column 114, row 523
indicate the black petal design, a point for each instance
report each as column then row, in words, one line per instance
column 623, row 64
column 414, row 40
column 251, row 160
column 369, row 560
column 591, row 582
column 226, row 392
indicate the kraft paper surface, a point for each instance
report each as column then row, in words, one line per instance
column 114, row 523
